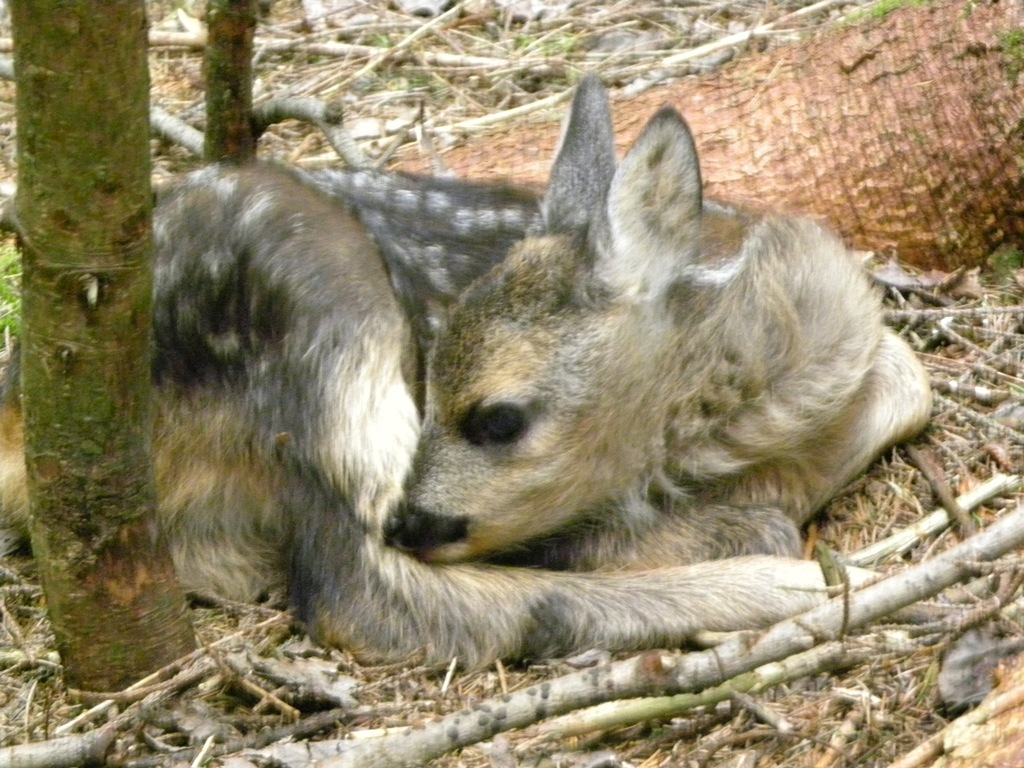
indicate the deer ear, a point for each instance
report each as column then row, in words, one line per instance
column 654, row 209
column 585, row 161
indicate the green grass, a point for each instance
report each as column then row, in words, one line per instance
column 1005, row 261
column 549, row 44
column 10, row 290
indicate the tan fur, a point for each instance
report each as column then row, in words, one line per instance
column 689, row 375
column 692, row 383
column 13, row 486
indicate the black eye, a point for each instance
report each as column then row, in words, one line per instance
column 498, row 424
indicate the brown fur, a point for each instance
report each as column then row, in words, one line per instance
column 668, row 416
column 692, row 381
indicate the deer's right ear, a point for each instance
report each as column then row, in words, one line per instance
column 585, row 162
column 655, row 208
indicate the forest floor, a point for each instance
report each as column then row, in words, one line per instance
column 453, row 93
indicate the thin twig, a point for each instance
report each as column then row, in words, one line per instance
column 326, row 117
column 906, row 538
column 674, row 673
column 404, row 43
column 936, row 479
column 301, row 729
column 175, row 130
column 901, row 316
column 741, row 38
column 109, row 700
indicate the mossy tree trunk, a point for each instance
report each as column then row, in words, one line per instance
column 228, row 61
column 83, row 209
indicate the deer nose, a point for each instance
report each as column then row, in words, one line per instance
column 416, row 530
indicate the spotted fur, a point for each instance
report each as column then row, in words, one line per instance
column 646, row 383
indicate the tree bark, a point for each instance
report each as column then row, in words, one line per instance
column 907, row 132
column 231, row 26
column 83, row 209
column 904, row 132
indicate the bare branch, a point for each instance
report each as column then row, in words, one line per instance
column 929, row 525
column 619, row 714
column 66, row 752
column 176, row 131
column 326, row 117
column 661, row 673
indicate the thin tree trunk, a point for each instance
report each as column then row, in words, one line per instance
column 231, row 26
column 83, row 208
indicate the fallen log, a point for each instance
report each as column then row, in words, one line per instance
column 904, row 131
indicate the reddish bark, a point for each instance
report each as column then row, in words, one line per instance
column 905, row 132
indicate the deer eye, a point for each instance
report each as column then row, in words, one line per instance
column 498, row 424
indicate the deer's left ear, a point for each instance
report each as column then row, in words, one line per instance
column 653, row 210
column 584, row 163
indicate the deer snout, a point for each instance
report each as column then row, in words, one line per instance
column 423, row 533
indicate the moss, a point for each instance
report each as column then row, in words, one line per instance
column 1005, row 261
column 881, row 9
column 1012, row 44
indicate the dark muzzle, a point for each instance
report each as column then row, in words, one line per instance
column 415, row 530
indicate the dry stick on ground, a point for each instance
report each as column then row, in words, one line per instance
column 982, row 395
column 326, row 117
column 936, row 478
column 662, row 673
column 383, row 55
column 903, row 316
column 170, row 128
column 337, row 50
column 904, row 539
column 67, row 752
column 669, row 65
column 830, row 656
column 91, row 746
column 304, row 728
column 240, row 672
column 151, row 683
column 629, row 712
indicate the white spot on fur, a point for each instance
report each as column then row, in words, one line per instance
column 259, row 206
column 717, row 274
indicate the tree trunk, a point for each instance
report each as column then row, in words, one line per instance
column 83, row 207
column 905, row 132
column 231, row 26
